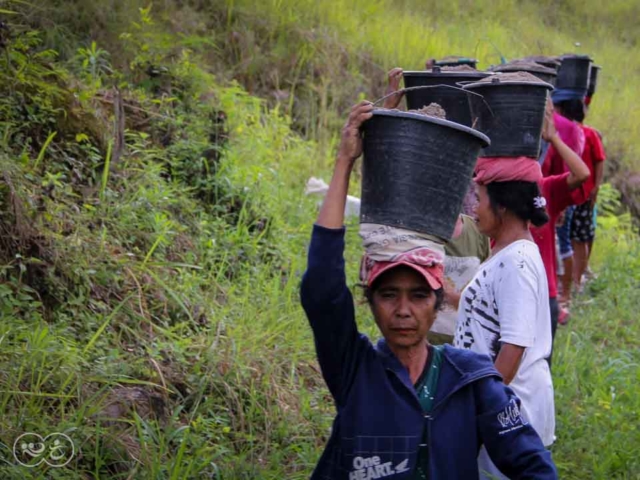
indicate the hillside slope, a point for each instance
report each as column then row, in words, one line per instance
column 313, row 59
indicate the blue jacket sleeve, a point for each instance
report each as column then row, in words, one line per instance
column 328, row 303
column 512, row 443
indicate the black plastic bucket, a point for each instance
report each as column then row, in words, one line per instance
column 416, row 171
column 548, row 62
column 545, row 74
column 453, row 101
column 549, row 78
column 574, row 72
column 511, row 115
column 593, row 80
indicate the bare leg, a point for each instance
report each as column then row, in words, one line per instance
column 566, row 281
column 581, row 258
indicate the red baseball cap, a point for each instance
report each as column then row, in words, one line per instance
column 432, row 274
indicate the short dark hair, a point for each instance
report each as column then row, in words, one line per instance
column 573, row 109
column 518, row 197
column 369, row 291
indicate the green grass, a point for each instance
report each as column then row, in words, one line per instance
column 149, row 309
column 597, row 368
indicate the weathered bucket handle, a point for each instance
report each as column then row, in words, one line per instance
column 420, row 87
column 408, row 89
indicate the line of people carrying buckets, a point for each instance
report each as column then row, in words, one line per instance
column 462, row 195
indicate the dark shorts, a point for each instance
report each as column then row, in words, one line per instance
column 583, row 228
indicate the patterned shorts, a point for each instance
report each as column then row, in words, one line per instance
column 583, row 228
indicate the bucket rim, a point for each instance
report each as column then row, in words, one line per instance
column 540, row 84
column 438, row 121
column 425, row 73
column 574, row 56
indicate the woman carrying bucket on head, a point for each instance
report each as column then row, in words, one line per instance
column 568, row 98
column 405, row 410
column 504, row 311
column 560, row 191
column 465, row 251
column 597, row 157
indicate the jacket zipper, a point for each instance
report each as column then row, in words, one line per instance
column 428, row 417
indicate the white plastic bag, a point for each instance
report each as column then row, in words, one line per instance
column 316, row 186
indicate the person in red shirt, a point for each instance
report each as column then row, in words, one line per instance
column 583, row 226
column 566, row 117
column 571, row 134
column 560, row 191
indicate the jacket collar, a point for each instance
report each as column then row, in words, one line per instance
column 456, row 377
column 391, row 362
column 453, row 376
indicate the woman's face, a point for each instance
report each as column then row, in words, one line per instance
column 404, row 307
column 487, row 220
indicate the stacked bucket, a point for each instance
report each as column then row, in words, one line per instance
column 417, row 168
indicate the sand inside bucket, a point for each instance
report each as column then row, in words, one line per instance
column 542, row 59
column 458, row 68
column 521, row 65
column 512, row 77
column 431, row 110
column 454, row 58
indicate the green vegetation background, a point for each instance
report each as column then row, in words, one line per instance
column 153, row 223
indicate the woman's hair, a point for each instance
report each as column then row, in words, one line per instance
column 369, row 292
column 521, row 198
column 572, row 109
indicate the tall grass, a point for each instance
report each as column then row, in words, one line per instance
column 597, row 366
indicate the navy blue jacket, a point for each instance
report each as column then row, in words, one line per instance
column 379, row 422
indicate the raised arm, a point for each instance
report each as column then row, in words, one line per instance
column 395, row 75
column 598, row 166
column 578, row 170
column 332, row 211
column 324, row 294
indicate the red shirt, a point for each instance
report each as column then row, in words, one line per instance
column 593, row 153
column 571, row 134
column 558, row 196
